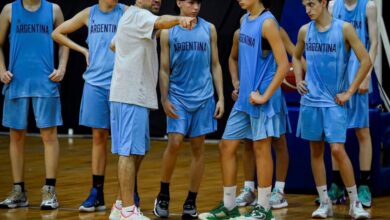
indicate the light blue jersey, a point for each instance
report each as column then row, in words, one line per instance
column 102, row 27
column 190, row 62
column 357, row 17
column 256, row 68
column 31, row 52
column 327, row 58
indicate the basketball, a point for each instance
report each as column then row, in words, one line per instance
column 289, row 84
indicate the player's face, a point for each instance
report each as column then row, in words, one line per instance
column 314, row 8
column 189, row 7
column 247, row 4
column 111, row 2
column 152, row 5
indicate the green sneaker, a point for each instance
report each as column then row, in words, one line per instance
column 259, row 213
column 336, row 195
column 220, row 213
column 364, row 196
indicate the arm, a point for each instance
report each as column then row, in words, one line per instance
column 217, row 74
column 297, row 61
column 60, row 33
column 164, row 75
column 5, row 20
column 372, row 25
column 233, row 65
column 290, row 47
column 271, row 33
column 168, row 21
column 58, row 74
column 353, row 40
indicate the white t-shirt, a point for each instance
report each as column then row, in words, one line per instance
column 135, row 75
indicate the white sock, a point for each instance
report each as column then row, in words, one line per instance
column 229, row 197
column 280, row 185
column 250, row 185
column 118, row 204
column 263, row 196
column 352, row 193
column 323, row 193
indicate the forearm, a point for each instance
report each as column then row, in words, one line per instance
column 218, row 81
column 164, row 85
column 64, row 40
column 276, row 81
column 298, row 69
column 233, row 69
column 166, row 22
column 365, row 66
column 372, row 53
column 63, row 54
column 2, row 62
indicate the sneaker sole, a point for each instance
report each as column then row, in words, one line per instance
column 155, row 210
column 46, row 207
column 280, row 206
column 189, row 216
column 366, row 205
column 92, row 209
column 21, row 205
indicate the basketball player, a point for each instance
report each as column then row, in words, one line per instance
column 327, row 42
column 362, row 15
column 101, row 20
column 257, row 114
column 32, row 78
column 247, row 195
column 189, row 64
column 133, row 93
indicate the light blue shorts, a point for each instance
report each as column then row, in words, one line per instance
column 241, row 125
column 129, row 129
column 47, row 112
column 193, row 123
column 323, row 124
column 358, row 113
column 95, row 107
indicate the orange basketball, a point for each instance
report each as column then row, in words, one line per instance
column 289, row 84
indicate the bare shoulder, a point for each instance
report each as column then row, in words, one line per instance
column 7, row 10
column 303, row 30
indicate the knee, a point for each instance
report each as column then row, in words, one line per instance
column 223, row 149
column 338, row 153
column 198, row 152
column 49, row 137
column 174, row 145
column 363, row 134
column 17, row 136
column 100, row 136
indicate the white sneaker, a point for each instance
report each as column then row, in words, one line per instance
column 16, row 198
column 136, row 214
column 49, row 198
column 324, row 211
column 115, row 213
column 356, row 211
column 277, row 200
column 246, row 197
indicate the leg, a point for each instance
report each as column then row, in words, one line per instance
column 365, row 151
column 282, row 158
column 126, row 176
column 197, row 163
column 17, row 140
column 175, row 142
column 52, row 151
column 99, row 151
column 264, row 166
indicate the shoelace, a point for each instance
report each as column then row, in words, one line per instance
column 163, row 204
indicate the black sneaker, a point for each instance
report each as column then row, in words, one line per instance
column 161, row 207
column 189, row 211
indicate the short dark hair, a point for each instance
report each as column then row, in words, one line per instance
column 177, row 9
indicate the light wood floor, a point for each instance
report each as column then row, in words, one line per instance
column 74, row 182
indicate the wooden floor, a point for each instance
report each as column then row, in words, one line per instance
column 74, row 181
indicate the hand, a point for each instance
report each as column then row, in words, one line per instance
column 187, row 22
column 302, row 87
column 169, row 109
column 86, row 54
column 363, row 88
column 219, row 109
column 342, row 98
column 57, row 75
column 6, row 77
column 256, row 98
column 235, row 95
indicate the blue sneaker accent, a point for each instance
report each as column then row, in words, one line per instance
column 94, row 202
